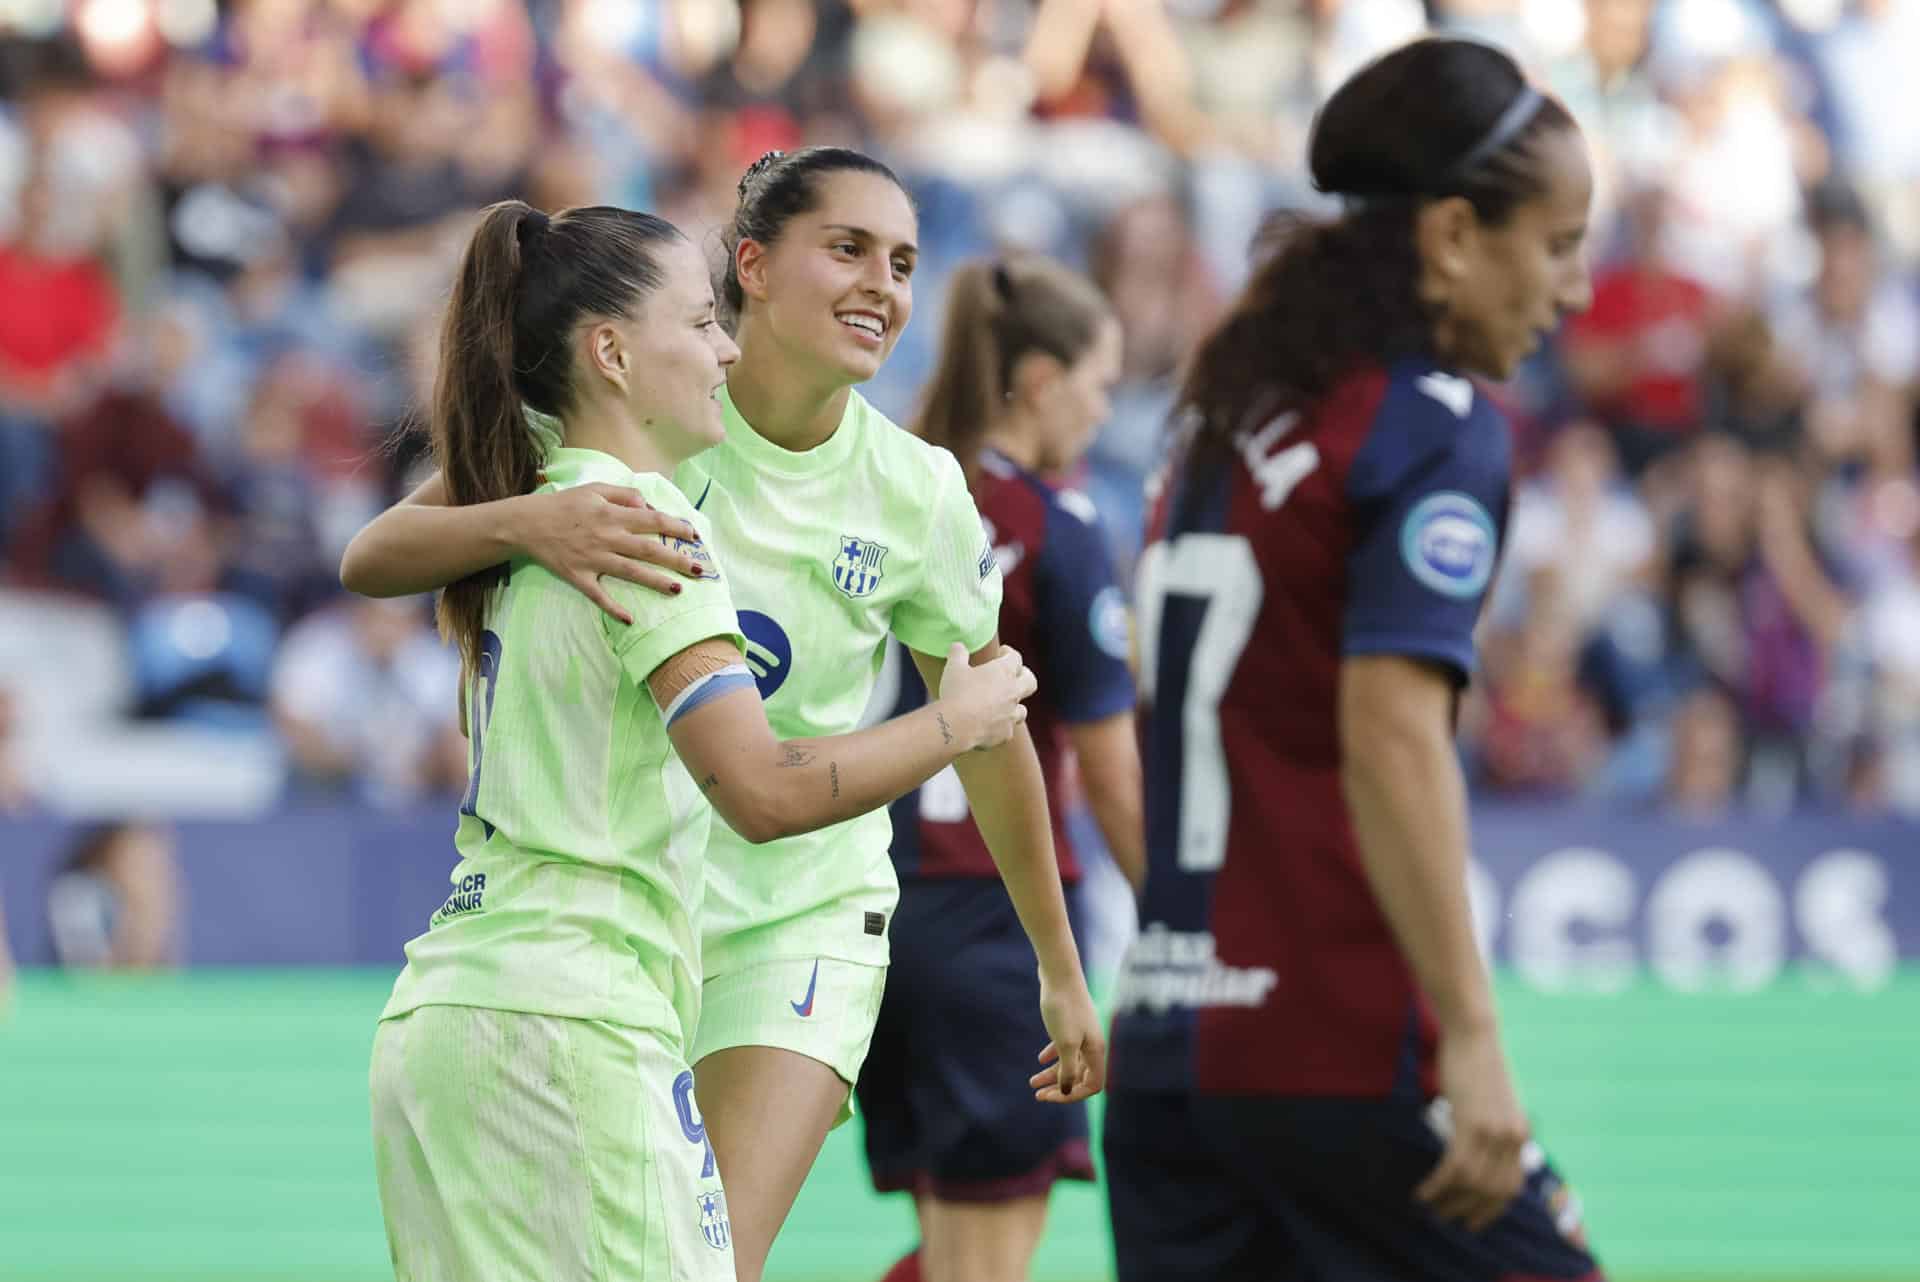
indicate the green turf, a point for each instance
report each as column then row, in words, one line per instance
column 212, row 1127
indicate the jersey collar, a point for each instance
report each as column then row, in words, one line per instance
column 570, row 465
column 827, row 456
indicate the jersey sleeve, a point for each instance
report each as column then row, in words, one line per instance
column 1082, row 614
column 1429, row 491
column 958, row 596
column 664, row 625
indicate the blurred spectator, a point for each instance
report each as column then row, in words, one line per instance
column 13, row 784
column 61, row 311
column 1755, row 607
column 1607, row 85
column 1703, row 771
column 367, row 699
column 1735, row 172
column 272, row 496
column 1867, row 60
column 1856, row 340
column 131, row 510
column 1543, row 734
column 1579, row 522
column 1637, row 357
column 116, row 902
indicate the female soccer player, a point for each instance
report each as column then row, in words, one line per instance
column 1027, row 357
column 1308, row 1070
column 839, row 529
column 531, row 1094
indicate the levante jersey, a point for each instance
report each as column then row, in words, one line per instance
column 582, row 837
column 828, row 552
column 1064, row 612
column 1369, row 524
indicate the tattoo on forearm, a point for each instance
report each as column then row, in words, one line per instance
column 709, row 783
column 833, row 774
column 795, row 756
column 946, row 731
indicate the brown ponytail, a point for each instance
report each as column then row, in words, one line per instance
column 480, row 434
column 525, row 282
column 998, row 310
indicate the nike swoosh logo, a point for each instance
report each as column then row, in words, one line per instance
column 804, row 1008
column 703, row 496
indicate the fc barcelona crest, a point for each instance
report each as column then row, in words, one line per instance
column 856, row 571
column 713, row 1221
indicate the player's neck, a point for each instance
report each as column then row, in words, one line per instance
column 784, row 406
column 1015, row 442
column 592, row 427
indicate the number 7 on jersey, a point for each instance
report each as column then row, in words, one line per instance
column 1199, row 594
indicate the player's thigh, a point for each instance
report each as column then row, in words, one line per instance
column 767, row 1111
column 979, row 1241
column 1341, row 1174
column 1178, row 1214
column 965, row 967
column 527, row 1146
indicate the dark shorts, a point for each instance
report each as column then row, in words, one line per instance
column 944, row 1091
column 1285, row 1189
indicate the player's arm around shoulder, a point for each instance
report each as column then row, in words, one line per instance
column 579, row 534
column 766, row 788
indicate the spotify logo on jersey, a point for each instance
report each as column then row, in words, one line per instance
column 769, row 653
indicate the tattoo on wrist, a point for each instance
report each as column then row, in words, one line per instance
column 833, row 775
column 709, row 783
column 794, row 756
column 946, row 731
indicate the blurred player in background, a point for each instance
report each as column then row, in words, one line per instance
column 839, row 530
column 1311, row 1080
column 1028, row 356
column 532, row 1101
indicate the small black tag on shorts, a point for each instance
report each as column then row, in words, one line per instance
column 876, row 923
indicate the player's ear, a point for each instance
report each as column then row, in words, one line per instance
column 1445, row 231
column 1035, row 375
column 750, row 265
column 608, row 355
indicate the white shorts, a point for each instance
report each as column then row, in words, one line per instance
column 515, row 1147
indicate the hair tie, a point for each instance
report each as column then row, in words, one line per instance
column 1504, row 130
column 532, row 224
column 1002, row 281
column 758, row 167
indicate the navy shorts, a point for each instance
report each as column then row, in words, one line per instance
column 944, row 1090
column 1289, row 1189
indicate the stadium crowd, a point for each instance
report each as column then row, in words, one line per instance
column 225, row 230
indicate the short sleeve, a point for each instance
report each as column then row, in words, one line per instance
column 664, row 625
column 1082, row 614
column 958, row 595
column 1429, row 491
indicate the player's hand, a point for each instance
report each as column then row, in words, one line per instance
column 1076, row 1058
column 1483, row 1168
column 585, row 531
column 982, row 704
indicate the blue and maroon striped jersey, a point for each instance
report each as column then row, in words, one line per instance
column 1368, row 524
column 1062, row 609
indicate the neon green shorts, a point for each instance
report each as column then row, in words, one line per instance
column 512, row 1146
column 814, row 1006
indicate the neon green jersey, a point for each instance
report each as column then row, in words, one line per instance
column 582, row 837
column 828, row 551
